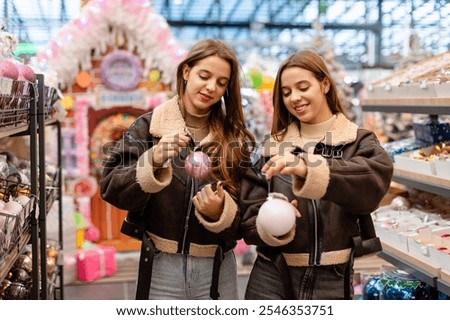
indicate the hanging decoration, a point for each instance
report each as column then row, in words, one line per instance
column 67, row 102
column 85, row 186
column 120, row 70
column 154, row 75
column 82, row 136
column 83, row 79
column 107, row 132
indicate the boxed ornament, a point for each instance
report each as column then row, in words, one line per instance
column 404, row 145
column 392, row 226
column 428, row 246
column 432, row 131
column 96, row 262
column 418, row 161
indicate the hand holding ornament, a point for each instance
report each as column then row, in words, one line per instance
column 285, row 164
column 209, row 202
column 168, row 147
column 197, row 164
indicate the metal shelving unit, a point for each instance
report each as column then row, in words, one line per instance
column 35, row 229
column 54, row 287
column 432, row 184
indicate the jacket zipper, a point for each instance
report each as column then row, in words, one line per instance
column 316, row 232
column 186, row 221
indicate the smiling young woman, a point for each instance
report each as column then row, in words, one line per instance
column 336, row 174
column 190, row 221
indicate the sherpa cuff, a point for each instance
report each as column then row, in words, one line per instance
column 152, row 179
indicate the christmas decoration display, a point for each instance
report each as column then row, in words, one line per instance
column 133, row 24
column 395, row 284
column 323, row 46
column 105, row 134
column 25, row 73
column 259, row 75
column 8, row 42
column 120, row 70
column 8, row 69
column 84, row 186
column 96, row 262
column 258, row 111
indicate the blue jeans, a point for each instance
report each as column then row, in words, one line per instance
column 309, row 283
column 184, row 277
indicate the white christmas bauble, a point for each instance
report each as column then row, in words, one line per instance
column 23, row 200
column 2, row 221
column 13, row 207
column 276, row 216
column 400, row 203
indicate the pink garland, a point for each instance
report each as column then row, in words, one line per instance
column 82, row 136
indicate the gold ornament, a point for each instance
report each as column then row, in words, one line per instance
column 52, row 253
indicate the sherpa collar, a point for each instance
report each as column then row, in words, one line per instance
column 342, row 131
column 167, row 119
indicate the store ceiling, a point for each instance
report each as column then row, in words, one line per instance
column 374, row 32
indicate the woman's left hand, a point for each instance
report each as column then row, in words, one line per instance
column 210, row 203
column 285, row 164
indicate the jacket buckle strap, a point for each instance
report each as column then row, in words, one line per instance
column 145, row 268
column 326, row 153
column 334, row 153
column 218, row 259
column 337, row 154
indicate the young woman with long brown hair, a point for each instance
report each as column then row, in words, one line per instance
column 190, row 222
column 334, row 172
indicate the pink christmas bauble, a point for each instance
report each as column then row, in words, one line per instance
column 8, row 69
column 277, row 215
column 197, row 164
column 25, row 73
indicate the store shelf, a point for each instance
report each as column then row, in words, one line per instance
column 11, row 131
column 443, row 283
column 428, row 183
column 13, row 255
column 415, row 90
column 438, row 106
column 425, row 272
column 35, row 235
column 412, row 265
column 50, row 121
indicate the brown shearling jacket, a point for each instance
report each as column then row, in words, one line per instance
column 164, row 196
column 348, row 175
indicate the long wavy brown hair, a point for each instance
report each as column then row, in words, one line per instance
column 233, row 143
column 314, row 63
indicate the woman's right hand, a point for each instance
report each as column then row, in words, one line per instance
column 168, row 147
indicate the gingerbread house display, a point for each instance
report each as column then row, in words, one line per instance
column 114, row 62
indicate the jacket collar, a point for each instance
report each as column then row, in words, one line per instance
column 342, row 131
column 167, row 119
